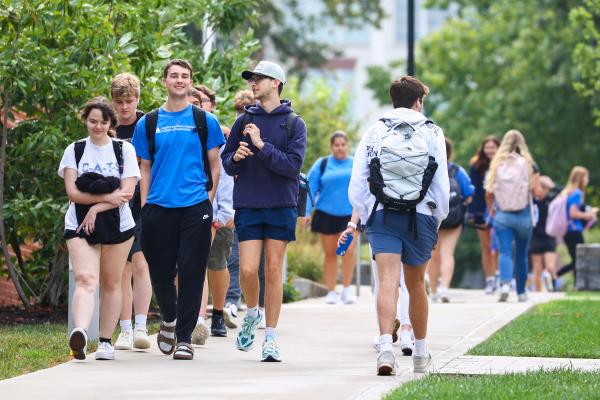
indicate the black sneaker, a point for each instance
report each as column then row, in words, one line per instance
column 217, row 326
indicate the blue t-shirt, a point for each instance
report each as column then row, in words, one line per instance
column 464, row 181
column 576, row 198
column 177, row 177
column 331, row 189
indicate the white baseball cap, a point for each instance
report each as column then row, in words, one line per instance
column 266, row 68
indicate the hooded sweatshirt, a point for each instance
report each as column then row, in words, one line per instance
column 439, row 191
column 269, row 178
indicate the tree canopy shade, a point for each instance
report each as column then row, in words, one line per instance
column 503, row 65
column 54, row 56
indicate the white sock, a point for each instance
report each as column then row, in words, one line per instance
column 170, row 335
column 270, row 332
column 420, row 347
column 125, row 325
column 385, row 343
column 140, row 320
column 332, row 293
column 346, row 290
column 252, row 312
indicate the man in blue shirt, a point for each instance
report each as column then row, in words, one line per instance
column 177, row 208
column 265, row 150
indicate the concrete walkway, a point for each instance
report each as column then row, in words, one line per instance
column 479, row 365
column 326, row 349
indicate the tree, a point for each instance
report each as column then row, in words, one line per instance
column 500, row 66
column 585, row 21
column 54, row 56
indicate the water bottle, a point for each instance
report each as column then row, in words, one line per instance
column 342, row 248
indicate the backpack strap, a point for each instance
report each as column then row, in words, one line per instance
column 289, row 124
column 151, row 124
column 202, row 129
column 79, row 149
column 118, row 149
column 323, row 165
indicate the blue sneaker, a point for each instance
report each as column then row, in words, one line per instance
column 246, row 337
column 270, row 351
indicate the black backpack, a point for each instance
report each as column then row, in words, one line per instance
column 201, row 128
column 457, row 210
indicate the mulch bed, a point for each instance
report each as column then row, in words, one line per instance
column 15, row 315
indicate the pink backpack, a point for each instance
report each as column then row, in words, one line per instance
column 557, row 221
column 512, row 187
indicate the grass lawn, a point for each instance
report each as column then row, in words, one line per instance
column 27, row 348
column 584, row 295
column 558, row 384
column 560, row 328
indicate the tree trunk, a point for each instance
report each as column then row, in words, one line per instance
column 54, row 285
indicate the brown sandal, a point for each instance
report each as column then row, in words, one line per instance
column 183, row 351
column 160, row 338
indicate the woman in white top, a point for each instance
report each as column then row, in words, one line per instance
column 97, row 260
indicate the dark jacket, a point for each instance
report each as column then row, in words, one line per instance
column 107, row 228
column 269, row 178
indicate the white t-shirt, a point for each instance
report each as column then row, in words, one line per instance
column 100, row 159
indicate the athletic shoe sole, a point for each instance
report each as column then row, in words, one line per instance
column 407, row 351
column 270, row 359
column 386, row 370
column 445, row 299
column 105, row 356
column 503, row 297
column 77, row 344
column 218, row 334
column 200, row 334
column 124, row 347
column 395, row 332
column 142, row 343
column 230, row 321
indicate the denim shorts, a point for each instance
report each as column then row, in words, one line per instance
column 266, row 223
column 391, row 235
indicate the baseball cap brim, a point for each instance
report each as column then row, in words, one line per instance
column 247, row 74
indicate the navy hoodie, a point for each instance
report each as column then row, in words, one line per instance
column 269, row 178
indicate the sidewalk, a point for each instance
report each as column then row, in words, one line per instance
column 326, row 350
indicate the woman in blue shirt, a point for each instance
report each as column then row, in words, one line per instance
column 441, row 265
column 577, row 214
column 477, row 212
column 329, row 179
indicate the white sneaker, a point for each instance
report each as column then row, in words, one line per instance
column 490, row 285
column 105, row 351
column 504, row 292
column 331, row 298
column 421, row 363
column 443, row 293
column 407, row 344
column 140, row 338
column 200, row 332
column 347, row 297
column 522, row 297
column 376, row 345
column 435, row 297
column 124, row 341
column 263, row 322
column 230, row 314
column 547, row 281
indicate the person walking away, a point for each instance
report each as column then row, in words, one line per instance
column 125, row 95
column 265, row 150
column 329, row 178
column 508, row 187
column 542, row 247
column 100, row 175
column 179, row 147
column 402, row 215
column 441, row 266
column 578, row 215
column 478, row 213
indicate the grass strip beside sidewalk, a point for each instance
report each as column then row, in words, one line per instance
column 30, row 347
column 556, row 384
column 560, row 328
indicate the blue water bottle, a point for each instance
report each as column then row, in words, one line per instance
column 342, row 248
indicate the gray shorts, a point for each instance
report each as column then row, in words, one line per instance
column 220, row 249
column 391, row 235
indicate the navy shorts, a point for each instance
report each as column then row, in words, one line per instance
column 391, row 236
column 266, row 223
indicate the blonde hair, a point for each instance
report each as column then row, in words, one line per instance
column 576, row 178
column 512, row 142
column 124, row 85
column 242, row 99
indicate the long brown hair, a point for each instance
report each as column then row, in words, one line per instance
column 480, row 161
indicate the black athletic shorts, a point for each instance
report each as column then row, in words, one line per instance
column 328, row 224
column 541, row 245
column 71, row 234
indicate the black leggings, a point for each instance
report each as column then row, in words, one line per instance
column 571, row 239
column 176, row 241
